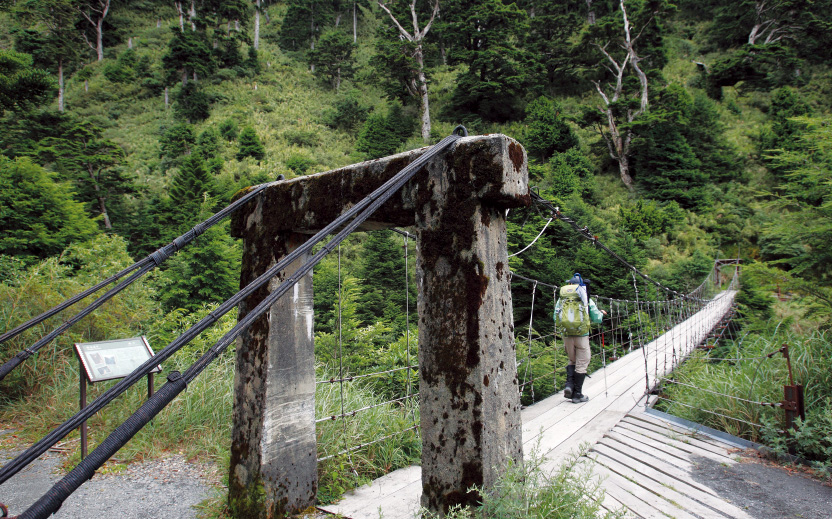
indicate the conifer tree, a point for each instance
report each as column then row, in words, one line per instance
column 375, row 139
column 38, row 215
column 189, row 189
column 207, row 271
column 21, row 84
column 332, row 57
column 410, row 52
column 250, row 145
column 485, row 37
column 547, row 131
column 382, row 270
column 81, row 154
column 55, row 37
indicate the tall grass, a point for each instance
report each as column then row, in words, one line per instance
column 571, row 492
column 391, row 423
column 719, row 384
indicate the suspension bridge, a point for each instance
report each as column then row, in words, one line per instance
column 470, row 374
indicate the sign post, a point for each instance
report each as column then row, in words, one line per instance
column 109, row 360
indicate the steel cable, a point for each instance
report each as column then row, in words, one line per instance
column 52, row 500
column 371, row 200
column 145, row 265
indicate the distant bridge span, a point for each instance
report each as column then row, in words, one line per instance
column 557, row 426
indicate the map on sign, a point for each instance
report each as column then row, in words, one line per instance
column 107, row 360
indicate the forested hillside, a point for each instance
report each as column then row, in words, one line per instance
column 675, row 131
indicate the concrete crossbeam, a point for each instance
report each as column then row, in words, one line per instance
column 470, row 409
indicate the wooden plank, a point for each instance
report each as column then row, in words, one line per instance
column 673, row 455
column 612, row 504
column 355, row 501
column 652, row 502
column 632, row 503
column 685, row 437
column 690, row 449
column 681, row 428
column 659, row 464
column 689, row 489
column 402, row 504
column 665, row 490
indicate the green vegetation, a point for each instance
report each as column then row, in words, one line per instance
column 673, row 132
column 571, row 492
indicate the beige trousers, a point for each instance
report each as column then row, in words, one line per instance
column 577, row 349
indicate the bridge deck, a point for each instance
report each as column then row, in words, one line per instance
column 555, row 427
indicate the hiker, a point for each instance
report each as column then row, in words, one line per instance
column 574, row 312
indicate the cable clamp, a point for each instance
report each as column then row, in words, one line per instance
column 30, row 351
column 199, row 229
column 180, row 242
column 159, row 256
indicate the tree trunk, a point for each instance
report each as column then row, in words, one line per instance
column 257, row 26
column 130, row 42
column 184, row 77
column 590, row 17
column 354, row 23
column 422, row 85
column 60, row 85
column 181, row 12
column 167, row 99
column 102, row 206
column 99, row 39
column 86, row 85
column 624, row 171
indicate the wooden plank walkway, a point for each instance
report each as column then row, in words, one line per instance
column 556, row 427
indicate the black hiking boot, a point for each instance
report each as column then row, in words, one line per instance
column 577, row 396
column 570, row 381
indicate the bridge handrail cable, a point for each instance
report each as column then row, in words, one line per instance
column 144, row 266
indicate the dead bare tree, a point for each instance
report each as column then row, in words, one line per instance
column 418, row 84
column 94, row 12
column 618, row 134
column 772, row 21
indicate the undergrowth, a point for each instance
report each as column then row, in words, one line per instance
column 756, row 378
column 530, row 491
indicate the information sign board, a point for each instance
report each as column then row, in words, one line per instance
column 107, row 360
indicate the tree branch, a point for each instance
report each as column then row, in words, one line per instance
column 401, row 29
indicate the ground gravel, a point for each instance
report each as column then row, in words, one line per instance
column 162, row 489
column 766, row 491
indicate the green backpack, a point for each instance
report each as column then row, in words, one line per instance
column 573, row 315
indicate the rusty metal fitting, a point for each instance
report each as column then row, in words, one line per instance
column 4, row 509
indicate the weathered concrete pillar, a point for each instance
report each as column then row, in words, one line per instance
column 469, row 395
column 274, row 452
column 470, row 406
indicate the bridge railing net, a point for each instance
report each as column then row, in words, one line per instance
column 366, row 399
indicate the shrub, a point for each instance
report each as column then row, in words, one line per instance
column 228, row 129
column 301, row 137
column 250, row 145
column 299, row 164
column 347, row 115
column 547, row 131
column 530, row 491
